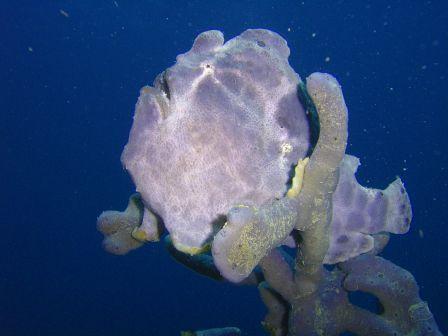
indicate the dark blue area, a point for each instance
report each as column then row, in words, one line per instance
column 68, row 86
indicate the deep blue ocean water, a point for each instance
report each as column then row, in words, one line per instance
column 70, row 73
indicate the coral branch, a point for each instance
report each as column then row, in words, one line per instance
column 328, row 311
column 321, row 176
column 276, row 320
column 397, row 291
column 278, row 273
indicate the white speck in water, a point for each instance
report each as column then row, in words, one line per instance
column 64, row 13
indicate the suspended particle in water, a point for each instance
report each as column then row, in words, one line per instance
column 64, row 13
column 420, row 233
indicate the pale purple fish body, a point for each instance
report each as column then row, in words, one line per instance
column 223, row 126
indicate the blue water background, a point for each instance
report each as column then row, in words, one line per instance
column 68, row 85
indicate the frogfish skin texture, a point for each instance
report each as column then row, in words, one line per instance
column 222, row 126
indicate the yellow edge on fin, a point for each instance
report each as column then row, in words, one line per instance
column 191, row 250
column 139, row 235
column 143, row 237
column 297, row 180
